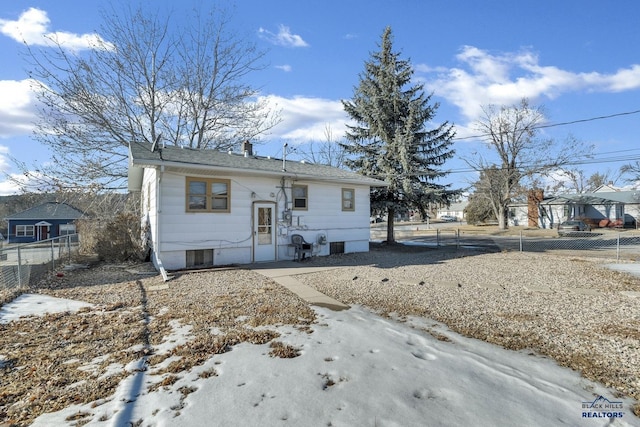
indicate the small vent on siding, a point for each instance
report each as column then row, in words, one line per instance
column 336, row 248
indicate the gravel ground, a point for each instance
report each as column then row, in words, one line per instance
column 573, row 310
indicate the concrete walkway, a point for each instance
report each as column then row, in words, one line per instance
column 282, row 273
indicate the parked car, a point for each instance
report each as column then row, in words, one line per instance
column 572, row 226
column 448, row 218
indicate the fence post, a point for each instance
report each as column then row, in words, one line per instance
column 457, row 238
column 69, row 247
column 438, row 238
column 520, row 240
column 53, row 257
column 618, row 248
column 19, row 268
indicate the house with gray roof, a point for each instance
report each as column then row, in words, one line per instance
column 42, row 222
column 606, row 206
column 207, row 207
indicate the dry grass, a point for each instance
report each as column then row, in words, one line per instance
column 284, row 351
column 57, row 360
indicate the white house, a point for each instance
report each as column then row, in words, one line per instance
column 206, row 207
column 616, row 205
column 454, row 209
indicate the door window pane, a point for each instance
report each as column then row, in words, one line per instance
column 264, row 226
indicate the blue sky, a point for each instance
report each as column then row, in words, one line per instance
column 577, row 58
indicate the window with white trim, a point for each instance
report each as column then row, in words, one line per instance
column 66, row 229
column 348, row 199
column 300, row 197
column 208, row 195
column 25, row 231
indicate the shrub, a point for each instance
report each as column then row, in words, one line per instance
column 115, row 239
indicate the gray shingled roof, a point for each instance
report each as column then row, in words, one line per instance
column 141, row 155
column 50, row 210
column 598, row 198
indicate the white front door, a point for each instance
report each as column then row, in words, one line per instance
column 264, row 233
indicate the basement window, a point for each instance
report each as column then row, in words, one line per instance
column 200, row 258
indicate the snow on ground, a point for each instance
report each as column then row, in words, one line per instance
column 355, row 369
column 35, row 304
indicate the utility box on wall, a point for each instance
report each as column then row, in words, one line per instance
column 322, row 239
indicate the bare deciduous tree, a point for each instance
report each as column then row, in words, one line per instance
column 631, row 171
column 328, row 152
column 516, row 153
column 576, row 181
column 143, row 79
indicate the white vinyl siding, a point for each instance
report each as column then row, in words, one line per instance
column 231, row 236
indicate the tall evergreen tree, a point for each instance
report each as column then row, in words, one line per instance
column 391, row 141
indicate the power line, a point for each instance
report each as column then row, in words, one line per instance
column 584, row 161
column 573, row 163
column 591, row 119
column 627, row 113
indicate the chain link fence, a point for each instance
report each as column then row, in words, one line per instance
column 619, row 245
column 23, row 264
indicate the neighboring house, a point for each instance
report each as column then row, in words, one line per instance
column 206, row 207
column 605, row 203
column 42, row 222
column 454, row 210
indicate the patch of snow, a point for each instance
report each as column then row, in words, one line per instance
column 38, row 305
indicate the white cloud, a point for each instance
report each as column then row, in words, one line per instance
column 17, row 107
column 503, row 79
column 32, row 27
column 306, row 119
column 7, row 187
column 284, row 37
column 15, row 183
column 286, row 68
column 4, row 161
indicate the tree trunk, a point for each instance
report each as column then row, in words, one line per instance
column 503, row 217
column 390, row 219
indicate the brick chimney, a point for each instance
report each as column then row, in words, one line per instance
column 534, row 198
column 247, row 148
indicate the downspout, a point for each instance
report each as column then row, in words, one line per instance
column 156, row 242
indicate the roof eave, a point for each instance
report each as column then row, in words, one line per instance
column 135, row 181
